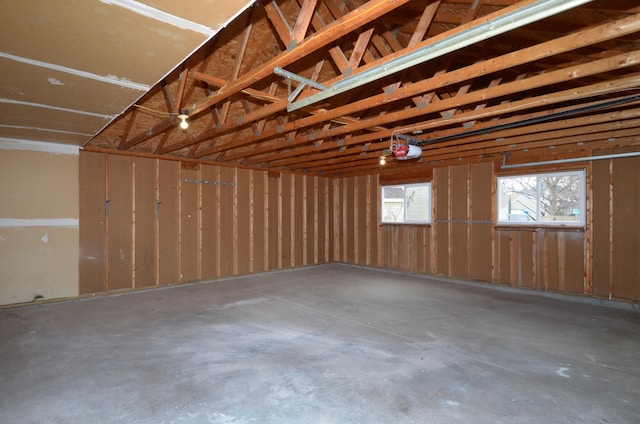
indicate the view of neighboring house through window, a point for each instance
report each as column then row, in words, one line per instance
column 407, row 203
column 542, row 199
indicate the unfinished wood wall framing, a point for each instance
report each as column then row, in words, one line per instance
column 463, row 243
column 148, row 222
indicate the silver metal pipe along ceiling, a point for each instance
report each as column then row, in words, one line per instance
column 570, row 160
column 500, row 24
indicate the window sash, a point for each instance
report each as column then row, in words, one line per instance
column 521, row 208
column 402, row 212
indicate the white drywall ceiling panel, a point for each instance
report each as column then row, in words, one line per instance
column 68, row 67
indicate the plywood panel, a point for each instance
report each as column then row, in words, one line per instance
column 323, row 220
column 385, row 246
column 275, row 221
column 480, row 175
column 228, row 243
column 574, row 262
column 480, row 255
column 503, row 245
column 145, row 222
column 311, row 209
column 300, row 221
column 459, row 211
column 349, row 220
column 601, row 227
column 288, row 223
column 168, row 216
column 189, row 225
column 260, row 226
column 459, row 244
column 419, row 248
column 427, row 250
column 243, row 220
column 551, row 261
column 336, row 219
column 626, row 244
column 526, row 252
column 120, row 259
column 362, row 219
column 459, row 217
column 400, row 248
column 210, row 224
column 442, row 248
column 374, row 221
column 92, row 265
column 416, row 248
column 391, row 252
column 441, row 219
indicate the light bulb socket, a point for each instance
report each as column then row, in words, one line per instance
column 183, row 121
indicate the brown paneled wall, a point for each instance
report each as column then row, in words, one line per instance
column 600, row 261
column 147, row 222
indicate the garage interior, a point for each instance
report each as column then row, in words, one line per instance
column 245, row 268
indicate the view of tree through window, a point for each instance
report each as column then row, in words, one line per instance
column 542, row 199
column 406, row 203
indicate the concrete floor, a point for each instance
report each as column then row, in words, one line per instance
column 327, row 344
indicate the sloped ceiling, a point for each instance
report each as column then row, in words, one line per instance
column 565, row 85
column 70, row 67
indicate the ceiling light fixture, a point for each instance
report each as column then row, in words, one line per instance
column 183, row 121
column 383, row 160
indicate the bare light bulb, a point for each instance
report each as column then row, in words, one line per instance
column 382, row 160
column 183, row 123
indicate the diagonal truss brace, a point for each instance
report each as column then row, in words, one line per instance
column 302, row 80
column 516, row 16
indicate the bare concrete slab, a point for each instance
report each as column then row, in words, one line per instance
column 326, row 344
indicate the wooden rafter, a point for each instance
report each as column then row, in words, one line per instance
column 464, row 100
column 523, row 56
column 505, row 89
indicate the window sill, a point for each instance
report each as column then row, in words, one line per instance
column 568, row 228
column 404, row 224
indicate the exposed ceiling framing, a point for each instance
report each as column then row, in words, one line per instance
column 68, row 68
column 562, row 86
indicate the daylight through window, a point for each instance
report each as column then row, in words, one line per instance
column 407, row 203
column 542, row 199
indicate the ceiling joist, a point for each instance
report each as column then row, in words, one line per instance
column 458, row 102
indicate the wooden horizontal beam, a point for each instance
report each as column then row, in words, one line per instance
column 478, row 96
column 571, row 42
column 335, row 30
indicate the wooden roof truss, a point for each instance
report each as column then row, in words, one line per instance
column 563, row 86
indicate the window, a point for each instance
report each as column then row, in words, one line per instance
column 542, row 199
column 407, row 203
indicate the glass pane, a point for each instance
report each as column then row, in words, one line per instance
column 393, row 204
column 518, row 199
column 560, row 198
column 418, row 203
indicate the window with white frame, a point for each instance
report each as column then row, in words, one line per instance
column 406, row 203
column 554, row 199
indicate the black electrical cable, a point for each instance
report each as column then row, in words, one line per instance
column 528, row 121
